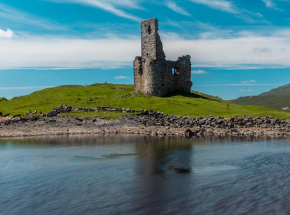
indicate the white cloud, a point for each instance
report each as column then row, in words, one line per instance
column 172, row 5
column 67, row 53
column 170, row 36
column 121, row 77
column 247, row 82
column 242, row 90
column 109, row 6
column 198, row 72
column 222, row 5
column 250, row 90
column 269, row 3
column 8, row 34
column 272, row 5
column 233, row 53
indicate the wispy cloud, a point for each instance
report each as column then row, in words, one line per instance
column 172, row 23
column 8, row 34
column 222, row 5
column 248, row 90
column 262, row 50
column 198, row 72
column 229, row 7
column 235, row 85
column 123, row 3
column 247, row 82
column 172, row 5
column 269, row 3
column 109, row 6
column 121, row 77
column 25, row 88
column 10, row 13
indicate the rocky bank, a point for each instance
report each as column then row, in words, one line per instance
column 145, row 123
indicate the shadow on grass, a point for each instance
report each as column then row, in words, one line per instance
column 188, row 95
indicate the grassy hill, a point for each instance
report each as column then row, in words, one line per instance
column 275, row 98
column 122, row 96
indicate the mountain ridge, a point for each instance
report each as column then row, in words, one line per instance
column 276, row 98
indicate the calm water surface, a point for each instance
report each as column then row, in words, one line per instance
column 132, row 175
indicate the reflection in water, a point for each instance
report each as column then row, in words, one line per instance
column 132, row 175
column 156, row 155
column 154, row 161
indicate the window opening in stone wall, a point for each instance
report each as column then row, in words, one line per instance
column 149, row 29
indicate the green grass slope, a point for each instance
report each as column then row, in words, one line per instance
column 275, row 98
column 192, row 104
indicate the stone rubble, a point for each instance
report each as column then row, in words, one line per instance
column 146, row 123
column 68, row 109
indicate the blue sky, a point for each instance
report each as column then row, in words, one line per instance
column 238, row 47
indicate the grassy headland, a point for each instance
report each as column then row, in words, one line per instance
column 192, row 104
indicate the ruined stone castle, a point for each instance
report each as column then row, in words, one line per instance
column 155, row 75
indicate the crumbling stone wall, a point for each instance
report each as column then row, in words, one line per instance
column 152, row 73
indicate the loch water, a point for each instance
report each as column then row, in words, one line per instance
column 135, row 175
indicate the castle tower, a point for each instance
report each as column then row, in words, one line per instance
column 152, row 73
column 151, row 44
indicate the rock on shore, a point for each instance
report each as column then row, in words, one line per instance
column 146, row 123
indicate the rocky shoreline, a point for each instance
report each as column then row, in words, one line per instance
column 147, row 123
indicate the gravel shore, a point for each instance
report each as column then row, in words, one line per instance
column 147, row 124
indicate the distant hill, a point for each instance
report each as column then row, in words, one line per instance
column 275, row 98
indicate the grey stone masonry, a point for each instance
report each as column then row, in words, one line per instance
column 153, row 74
